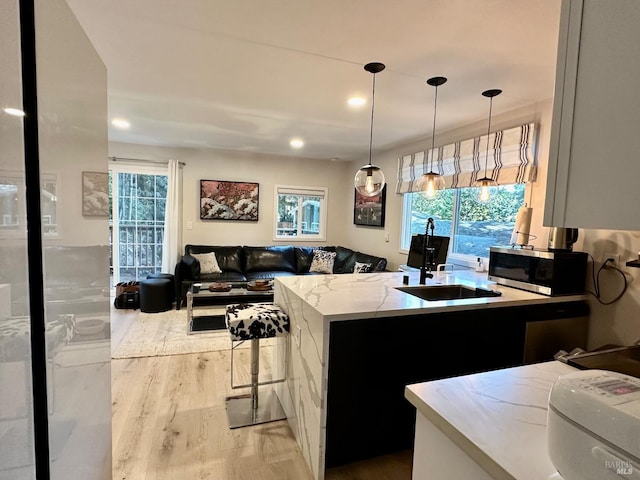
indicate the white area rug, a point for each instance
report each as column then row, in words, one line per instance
column 165, row 333
column 88, row 353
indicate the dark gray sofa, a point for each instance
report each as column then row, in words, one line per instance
column 246, row 263
column 76, row 278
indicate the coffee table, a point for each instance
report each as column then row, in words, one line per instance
column 204, row 298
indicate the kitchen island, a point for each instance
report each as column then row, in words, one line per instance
column 356, row 341
column 490, row 425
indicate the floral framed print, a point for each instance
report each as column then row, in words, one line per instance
column 224, row 200
column 95, row 194
column 369, row 210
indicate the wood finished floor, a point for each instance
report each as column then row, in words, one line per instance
column 169, row 422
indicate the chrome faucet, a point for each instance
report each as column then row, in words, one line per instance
column 427, row 252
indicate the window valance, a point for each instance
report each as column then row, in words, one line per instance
column 511, row 160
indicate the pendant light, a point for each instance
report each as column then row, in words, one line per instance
column 431, row 181
column 369, row 180
column 485, row 182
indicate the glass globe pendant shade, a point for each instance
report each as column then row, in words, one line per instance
column 484, row 184
column 369, row 180
column 431, row 183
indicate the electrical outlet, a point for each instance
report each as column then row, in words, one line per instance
column 615, row 256
column 298, row 336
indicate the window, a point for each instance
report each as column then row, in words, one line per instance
column 300, row 213
column 472, row 226
column 136, row 223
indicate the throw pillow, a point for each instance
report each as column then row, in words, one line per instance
column 360, row 267
column 322, row 261
column 208, row 262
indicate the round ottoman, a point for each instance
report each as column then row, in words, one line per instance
column 169, row 277
column 156, row 295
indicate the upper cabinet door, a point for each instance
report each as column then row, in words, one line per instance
column 594, row 157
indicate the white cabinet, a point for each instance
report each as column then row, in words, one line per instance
column 437, row 457
column 594, row 157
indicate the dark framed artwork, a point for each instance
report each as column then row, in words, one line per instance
column 369, row 210
column 95, row 194
column 223, row 200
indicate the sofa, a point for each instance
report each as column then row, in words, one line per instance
column 247, row 263
column 76, row 278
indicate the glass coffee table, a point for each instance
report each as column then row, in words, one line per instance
column 199, row 297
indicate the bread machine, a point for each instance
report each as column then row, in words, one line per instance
column 593, row 426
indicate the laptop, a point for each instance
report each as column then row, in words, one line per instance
column 441, row 245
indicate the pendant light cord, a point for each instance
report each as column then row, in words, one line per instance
column 486, row 157
column 433, row 132
column 373, row 103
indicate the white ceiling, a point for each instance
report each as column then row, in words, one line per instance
column 251, row 74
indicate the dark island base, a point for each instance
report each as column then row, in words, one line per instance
column 372, row 360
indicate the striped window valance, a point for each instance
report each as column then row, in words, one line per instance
column 511, row 160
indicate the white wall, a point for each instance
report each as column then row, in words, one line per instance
column 266, row 170
column 619, row 323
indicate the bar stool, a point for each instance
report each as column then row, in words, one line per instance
column 253, row 321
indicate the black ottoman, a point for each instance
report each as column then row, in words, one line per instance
column 156, row 295
column 169, row 277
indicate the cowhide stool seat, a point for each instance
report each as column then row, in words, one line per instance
column 254, row 321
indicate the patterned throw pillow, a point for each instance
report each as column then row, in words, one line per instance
column 322, row 261
column 360, row 267
column 208, row 262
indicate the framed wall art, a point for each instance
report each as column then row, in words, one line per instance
column 369, row 210
column 95, row 194
column 223, row 200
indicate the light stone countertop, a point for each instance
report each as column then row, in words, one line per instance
column 498, row 418
column 355, row 296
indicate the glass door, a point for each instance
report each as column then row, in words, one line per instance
column 138, row 200
column 55, row 347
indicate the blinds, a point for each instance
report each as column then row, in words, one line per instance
column 510, row 160
column 301, row 191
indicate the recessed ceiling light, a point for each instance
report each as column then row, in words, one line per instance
column 120, row 123
column 296, row 143
column 16, row 112
column 356, row 101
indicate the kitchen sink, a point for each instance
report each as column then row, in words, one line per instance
column 447, row 292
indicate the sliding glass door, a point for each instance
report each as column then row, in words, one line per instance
column 138, row 197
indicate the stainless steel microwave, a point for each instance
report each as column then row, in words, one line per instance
column 539, row 271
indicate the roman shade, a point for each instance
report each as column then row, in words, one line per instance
column 511, row 160
column 300, row 191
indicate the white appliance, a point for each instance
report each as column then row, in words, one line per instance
column 593, row 426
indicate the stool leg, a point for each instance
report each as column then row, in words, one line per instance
column 245, row 410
